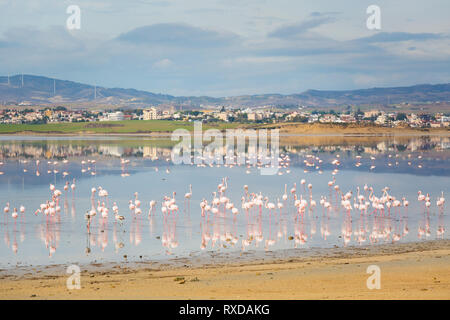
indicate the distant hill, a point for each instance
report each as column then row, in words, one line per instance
column 43, row 90
column 417, row 93
column 37, row 89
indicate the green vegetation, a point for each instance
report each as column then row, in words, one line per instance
column 127, row 126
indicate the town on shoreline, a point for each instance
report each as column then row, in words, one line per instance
column 61, row 114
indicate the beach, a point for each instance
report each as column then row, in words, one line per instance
column 408, row 271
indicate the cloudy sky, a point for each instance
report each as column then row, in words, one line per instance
column 228, row 47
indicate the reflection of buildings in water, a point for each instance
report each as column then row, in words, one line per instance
column 371, row 150
column 382, row 146
column 414, row 144
column 63, row 149
column 155, row 152
column 150, row 152
column 16, row 150
column 110, row 150
column 291, row 149
column 427, row 143
column 60, row 150
column 445, row 144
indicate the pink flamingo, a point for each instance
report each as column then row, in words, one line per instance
column 14, row 214
column 6, row 208
column 152, row 206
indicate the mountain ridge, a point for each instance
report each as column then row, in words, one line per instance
column 45, row 90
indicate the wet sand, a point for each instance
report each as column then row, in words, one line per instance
column 408, row 271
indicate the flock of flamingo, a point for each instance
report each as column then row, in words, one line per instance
column 290, row 207
column 219, row 213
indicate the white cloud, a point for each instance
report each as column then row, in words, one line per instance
column 256, row 60
column 432, row 49
column 221, row 47
column 163, row 63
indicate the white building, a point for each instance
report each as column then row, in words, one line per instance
column 150, row 114
column 115, row 116
column 381, row 119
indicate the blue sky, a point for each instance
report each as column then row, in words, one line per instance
column 228, row 47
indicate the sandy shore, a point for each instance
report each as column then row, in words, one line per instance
column 354, row 129
column 408, row 271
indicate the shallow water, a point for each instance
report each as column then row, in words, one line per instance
column 406, row 165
